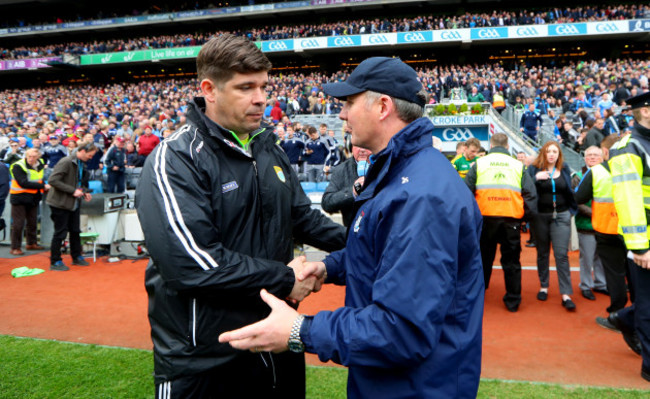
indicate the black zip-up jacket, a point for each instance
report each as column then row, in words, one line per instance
column 218, row 224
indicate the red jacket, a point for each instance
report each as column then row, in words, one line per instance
column 147, row 144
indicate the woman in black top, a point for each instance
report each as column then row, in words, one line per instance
column 552, row 222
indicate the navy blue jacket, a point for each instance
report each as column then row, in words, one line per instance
column 53, row 154
column 412, row 322
column 529, row 121
column 115, row 157
column 293, row 148
column 320, row 154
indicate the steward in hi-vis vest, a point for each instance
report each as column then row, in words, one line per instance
column 504, row 194
column 596, row 186
column 26, row 188
column 630, row 168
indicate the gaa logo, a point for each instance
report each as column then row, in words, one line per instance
column 343, row 41
column 488, row 34
column 567, row 30
column 450, row 35
column 414, row 37
column 377, row 39
column 277, row 46
column 457, row 134
column 309, row 43
column 527, row 32
column 606, row 28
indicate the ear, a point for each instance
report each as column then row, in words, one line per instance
column 386, row 106
column 207, row 88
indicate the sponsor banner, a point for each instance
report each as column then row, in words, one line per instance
column 607, row 27
column 292, row 4
column 452, row 35
column 527, row 31
column 30, row 63
column 190, row 14
column 310, row 43
column 137, row 56
column 169, row 53
column 472, row 120
column 489, row 33
column 344, row 41
column 100, row 22
column 415, row 37
column 158, row 17
column 257, row 7
column 378, row 39
column 277, row 45
column 451, row 135
column 567, row 29
column 639, row 25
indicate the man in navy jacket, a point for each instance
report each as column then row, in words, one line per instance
column 412, row 322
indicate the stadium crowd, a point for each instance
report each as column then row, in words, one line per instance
column 360, row 26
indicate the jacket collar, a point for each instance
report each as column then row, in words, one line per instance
column 499, row 150
column 196, row 114
column 412, row 138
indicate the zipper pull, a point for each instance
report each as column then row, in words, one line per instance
column 255, row 167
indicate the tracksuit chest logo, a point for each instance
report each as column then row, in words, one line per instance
column 280, row 173
column 357, row 224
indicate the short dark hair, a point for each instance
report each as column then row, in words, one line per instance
column 87, row 146
column 226, row 54
column 499, row 140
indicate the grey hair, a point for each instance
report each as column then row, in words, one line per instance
column 406, row 110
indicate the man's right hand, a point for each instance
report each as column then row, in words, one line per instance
column 78, row 193
column 316, row 270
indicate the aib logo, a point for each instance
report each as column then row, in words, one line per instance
column 107, row 58
column 528, row 31
column 414, row 37
column 378, row 39
column 566, row 30
column 450, row 35
column 309, row 43
column 277, row 46
column 606, row 28
column 343, row 41
column 488, row 34
column 457, row 134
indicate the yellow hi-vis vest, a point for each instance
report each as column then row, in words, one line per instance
column 498, row 186
column 603, row 212
column 631, row 191
column 32, row 175
column 498, row 101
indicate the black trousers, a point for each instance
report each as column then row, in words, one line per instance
column 65, row 222
column 613, row 255
column 252, row 375
column 23, row 217
column 637, row 316
column 506, row 232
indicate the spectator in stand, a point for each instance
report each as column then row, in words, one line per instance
column 26, row 190
column 53, row 152
column 595, row 135
column 14, row 154
column 276, row 113
column 132, row 156
column 475, row 96
column 146, row 143
column 115, row 162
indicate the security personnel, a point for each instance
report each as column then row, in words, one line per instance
column 26, row 188
column 498, row 102
column 528, row 122
column 504, row 193
column 631, row 192
column 596, row 185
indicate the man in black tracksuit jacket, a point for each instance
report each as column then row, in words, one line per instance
column 219, row 211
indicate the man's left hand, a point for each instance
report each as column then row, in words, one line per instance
column 87, row 197
column 268, row 335
column 643, row 260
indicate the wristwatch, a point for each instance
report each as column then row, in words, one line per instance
column 295, row 344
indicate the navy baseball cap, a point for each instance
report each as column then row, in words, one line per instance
column 642, row 100
column 383, row 75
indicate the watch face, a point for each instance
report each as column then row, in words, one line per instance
column 296, row 345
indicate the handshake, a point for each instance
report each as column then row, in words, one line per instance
column 310, row 277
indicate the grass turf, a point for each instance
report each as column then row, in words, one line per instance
column 31, row 368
